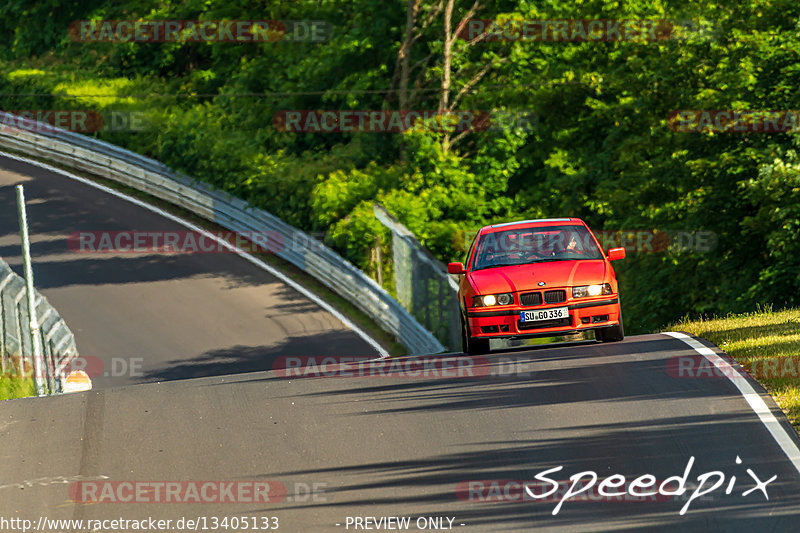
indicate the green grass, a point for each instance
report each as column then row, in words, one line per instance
column 766, row 344
column 15, row 386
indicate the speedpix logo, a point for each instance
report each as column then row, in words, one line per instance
column 588, row 486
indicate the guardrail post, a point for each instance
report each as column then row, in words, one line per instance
column 38, row 361
column 4, row 323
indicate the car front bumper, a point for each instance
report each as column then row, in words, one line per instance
column 584, row 315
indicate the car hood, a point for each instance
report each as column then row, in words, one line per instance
column 527, row 277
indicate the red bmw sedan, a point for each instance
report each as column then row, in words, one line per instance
column 537, row 278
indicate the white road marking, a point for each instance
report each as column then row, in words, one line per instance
column 778, row 432
column 45, row 481
column 296, row 286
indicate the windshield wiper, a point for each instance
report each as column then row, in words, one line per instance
column 500, row 265
column 547, row 260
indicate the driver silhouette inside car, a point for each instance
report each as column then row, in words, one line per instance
column 573, row 247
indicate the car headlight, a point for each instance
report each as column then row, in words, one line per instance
column 504, row 299
column 492, row 299
column 591, row 290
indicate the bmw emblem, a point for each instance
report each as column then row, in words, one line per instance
column 541, row 283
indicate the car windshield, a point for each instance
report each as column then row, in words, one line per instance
column 535, row 245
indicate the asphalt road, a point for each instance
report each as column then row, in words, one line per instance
column 405, row 446
column 333, row 449
column 150, row 317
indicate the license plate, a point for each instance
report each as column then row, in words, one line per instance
column 544, row 314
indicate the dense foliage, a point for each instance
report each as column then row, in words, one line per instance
column 595, row 142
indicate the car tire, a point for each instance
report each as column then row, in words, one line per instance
column 471, row 345
column 612, row 333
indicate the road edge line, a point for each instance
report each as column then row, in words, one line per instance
column 785, row 441
column 238, row 251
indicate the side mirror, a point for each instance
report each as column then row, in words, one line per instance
column 456, row 268
column 616, row 253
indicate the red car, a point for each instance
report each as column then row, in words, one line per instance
column 537, row 278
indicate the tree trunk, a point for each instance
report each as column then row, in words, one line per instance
column 444, row 98
column 404, row 55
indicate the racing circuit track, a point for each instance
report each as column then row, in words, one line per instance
column 373, row 445
column 167, row 316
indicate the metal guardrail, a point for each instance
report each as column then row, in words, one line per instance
column 423, row 285
column 148, row 175
column 58, row 344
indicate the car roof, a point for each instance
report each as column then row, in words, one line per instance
column 521, row 224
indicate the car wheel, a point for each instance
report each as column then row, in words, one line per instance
column 471, row 345
column 612, row 333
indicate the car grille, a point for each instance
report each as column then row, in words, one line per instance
column 558, row 322
column 531, row 298
column 555, row 297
